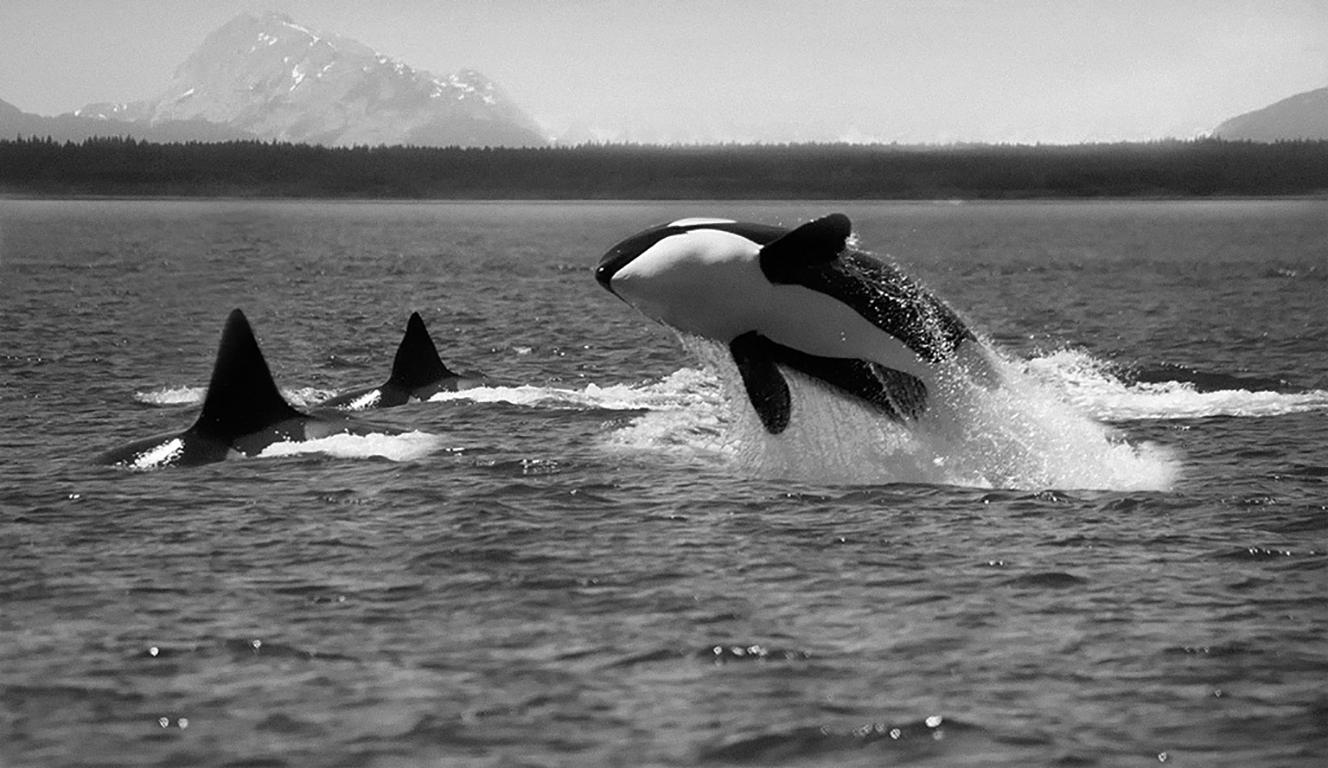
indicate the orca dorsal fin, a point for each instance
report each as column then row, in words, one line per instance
column 417, row 363
column 817, row 242
column 241, row 398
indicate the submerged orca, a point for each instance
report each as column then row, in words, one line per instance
column 417, row 373
column 803, row 299
column 243, row 413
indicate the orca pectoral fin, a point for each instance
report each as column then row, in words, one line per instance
column 896, row 394
column 766, row 388
column 812, row 244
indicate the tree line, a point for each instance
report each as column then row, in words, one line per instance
column 130, row 167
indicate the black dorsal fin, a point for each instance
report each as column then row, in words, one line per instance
column 241, row 398
column 817, row 242
column 417, row 363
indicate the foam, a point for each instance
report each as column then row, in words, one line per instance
column 1019, row 435
column 1090, row 384
column 408, row 446
column 173, row 396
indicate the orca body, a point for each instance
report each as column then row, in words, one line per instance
column 243, row 413
column 418, row 373
column 802, row 299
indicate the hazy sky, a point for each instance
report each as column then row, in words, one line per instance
column 775, row 70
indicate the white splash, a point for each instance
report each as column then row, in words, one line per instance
column 1019, row 435
column 170, row 396
column 408, row 446
column 157, row 456
column 684, row 388
column 367, row 400
column 1090, row 385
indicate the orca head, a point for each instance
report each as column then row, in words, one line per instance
column 686, row 273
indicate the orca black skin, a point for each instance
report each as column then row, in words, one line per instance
column 418, row 373
column 243, row 413
column 801, row 298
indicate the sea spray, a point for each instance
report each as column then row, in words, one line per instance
column 1096, row 387
column 408, row 446
column 1019, row 434
column 172, row 396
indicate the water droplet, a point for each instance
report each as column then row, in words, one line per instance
column 153, row 651
column 934, row 721
column 183, row 723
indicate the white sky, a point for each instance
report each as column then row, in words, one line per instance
column 772, row 70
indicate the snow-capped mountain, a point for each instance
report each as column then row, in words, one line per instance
column 268, row 77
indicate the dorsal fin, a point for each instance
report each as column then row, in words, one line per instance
column 241, row 398
column 417, row 363
column 817, row 242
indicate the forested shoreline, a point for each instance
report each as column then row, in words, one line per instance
column 129, row 167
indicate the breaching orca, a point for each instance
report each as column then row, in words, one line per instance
column 804, row 299
column 243, row 413
column 418, row 373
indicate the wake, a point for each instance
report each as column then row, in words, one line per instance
column 1043, row 428
column 1049, row 426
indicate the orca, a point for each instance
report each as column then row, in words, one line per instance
column 243, row 413
column 805, row 299
column 418, row 373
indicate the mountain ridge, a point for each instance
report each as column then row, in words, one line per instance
column 1302, row 116
column 263, row 76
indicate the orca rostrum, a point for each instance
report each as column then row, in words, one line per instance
column 804, row 299
column 418, row 373
column 243, row 413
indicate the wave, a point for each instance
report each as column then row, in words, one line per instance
column 1102, row 389
column 408, row 446
column 1044, row 428
column 174, row 396
column 1108, row 392
column 1049, row 426
column 1022, row 434
column 684, row 388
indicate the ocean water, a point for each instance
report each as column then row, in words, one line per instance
column 1120, row 558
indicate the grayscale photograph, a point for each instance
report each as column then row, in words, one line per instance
column 664, row 383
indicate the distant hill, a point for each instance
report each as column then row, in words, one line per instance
column 1303, row 116
column 266, row 77
column 14, row 122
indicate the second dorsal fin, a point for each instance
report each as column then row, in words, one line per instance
column 417, row 363
column 241, row 398
column 815, row 243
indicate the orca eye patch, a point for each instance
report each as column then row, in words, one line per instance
column 624, row 252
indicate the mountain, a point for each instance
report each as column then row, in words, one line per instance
column 14, row 123
column 1303, row 116
column 268, row 77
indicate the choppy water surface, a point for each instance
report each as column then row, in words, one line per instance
column 1119, row 559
